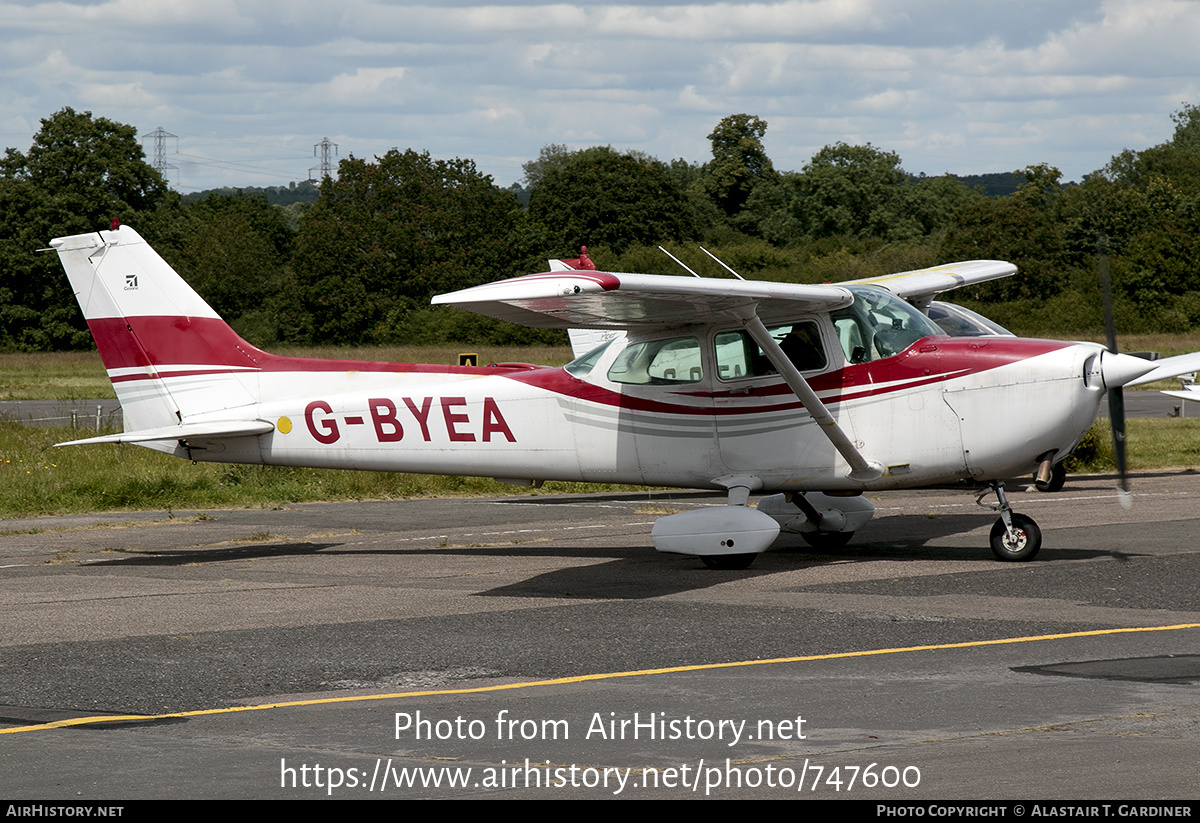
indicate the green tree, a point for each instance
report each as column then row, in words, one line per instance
column 933, row 202
column 850, row 190
column 739, row 163
column 386, row 236
column 855, row 193
column 599, row 196
column 1042, row 185
column 1187, row 128
column 91, row 165
column 234, row 249
column 1167, row 161
column 1100, row 207
column 1022, row 228
column 80, row 172
column 551, row 156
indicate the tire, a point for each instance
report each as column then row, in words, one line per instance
column 728, row 562
column 1058, row 476
column 1027, row 544
column 827, row 540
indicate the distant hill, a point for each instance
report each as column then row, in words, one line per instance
column 996, row 184
column 999, row 184
column 306, row 191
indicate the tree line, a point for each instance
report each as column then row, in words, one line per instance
column 359, row 265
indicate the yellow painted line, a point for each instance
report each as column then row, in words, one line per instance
column 85, row 721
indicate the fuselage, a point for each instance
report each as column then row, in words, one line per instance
column 704, row 390
column 942, row 410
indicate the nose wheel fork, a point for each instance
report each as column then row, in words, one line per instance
column 1014, row 536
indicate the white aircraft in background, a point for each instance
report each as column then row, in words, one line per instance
column 813, row 394
column 1188, row 392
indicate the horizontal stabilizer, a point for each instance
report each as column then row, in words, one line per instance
column 217, row 430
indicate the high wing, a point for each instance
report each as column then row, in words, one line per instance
column 921, row 286
column 589, row 299
column 606, row 300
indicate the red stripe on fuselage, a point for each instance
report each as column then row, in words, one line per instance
column 931, row 360
column 171, row 342
column 167, row 342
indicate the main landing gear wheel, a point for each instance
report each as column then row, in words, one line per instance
column 728, row 562
column 827, row 540
column 1023, row 546
column 1058, row 477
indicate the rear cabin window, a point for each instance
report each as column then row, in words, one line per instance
column 659, row 362
column 583, row 365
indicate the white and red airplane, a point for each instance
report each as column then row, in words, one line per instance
column 811, row 393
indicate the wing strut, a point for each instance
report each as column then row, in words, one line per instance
column 860, row 467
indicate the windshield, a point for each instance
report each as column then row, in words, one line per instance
column 879, row 325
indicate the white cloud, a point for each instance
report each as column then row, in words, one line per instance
column 381, row 88
column 989, row 85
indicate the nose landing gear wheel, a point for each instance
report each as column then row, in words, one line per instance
column 1023, row 545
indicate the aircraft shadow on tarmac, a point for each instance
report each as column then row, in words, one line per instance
column 1182, row 669
column 644, row 574
column 649, row 497
column 182, row 557
column 639, row 572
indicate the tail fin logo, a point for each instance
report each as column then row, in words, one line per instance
column 131, row 282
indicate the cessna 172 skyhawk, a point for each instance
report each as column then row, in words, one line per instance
column 815, row 393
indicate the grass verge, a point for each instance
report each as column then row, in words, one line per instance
column 37, row 479
column 1153, row 443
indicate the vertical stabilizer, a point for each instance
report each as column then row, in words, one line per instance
column 168, row 354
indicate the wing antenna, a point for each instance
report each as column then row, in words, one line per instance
column 722, row 262
column 677, row 260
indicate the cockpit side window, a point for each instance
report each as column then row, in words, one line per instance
column 739, row 356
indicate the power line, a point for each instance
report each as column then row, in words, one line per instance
column 160, row 163
column 327, row 148
column 201, row 160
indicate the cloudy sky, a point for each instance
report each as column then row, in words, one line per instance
column 249, row 88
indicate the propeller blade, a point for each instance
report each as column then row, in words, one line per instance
column 1116, row 416
column 1116, row 395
